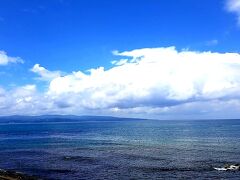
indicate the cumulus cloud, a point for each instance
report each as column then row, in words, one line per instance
column 45, row 74
column 150, row 82
column 25, row 100
column 5, row 59
column 234, row 7
column 152, row 78
column 155, row 77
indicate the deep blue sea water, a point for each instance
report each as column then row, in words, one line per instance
column 109, row 148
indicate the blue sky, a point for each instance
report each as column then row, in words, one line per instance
column 66, row 36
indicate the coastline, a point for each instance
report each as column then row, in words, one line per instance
column 14, row 175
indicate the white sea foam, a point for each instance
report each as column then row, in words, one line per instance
column 220, row 169
column 228, row 168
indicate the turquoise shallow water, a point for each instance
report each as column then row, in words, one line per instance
column 115, row 148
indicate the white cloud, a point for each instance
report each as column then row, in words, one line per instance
column 152, row 82
column 234, row 7
column 5, row 59
column 25, row 100
column 157, row 77
column 212, row 42
column 45, row 74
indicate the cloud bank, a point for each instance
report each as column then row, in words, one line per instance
column 150, row 82
column 5, row 59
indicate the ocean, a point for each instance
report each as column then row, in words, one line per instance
column 68, row 147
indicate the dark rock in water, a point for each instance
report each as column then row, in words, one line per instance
column 13, row 175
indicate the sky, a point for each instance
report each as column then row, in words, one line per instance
column 140, row 58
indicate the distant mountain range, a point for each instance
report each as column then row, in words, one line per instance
column 59, row 118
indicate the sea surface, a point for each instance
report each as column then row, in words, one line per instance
column 113, row 148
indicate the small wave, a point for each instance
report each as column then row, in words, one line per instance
column 220, row 169
column 166, row 169
column 89, row 160
column 64, row 171
column 231, row 167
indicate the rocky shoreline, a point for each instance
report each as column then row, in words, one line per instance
column 13, row 175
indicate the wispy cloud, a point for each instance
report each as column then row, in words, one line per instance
column 212, row 42
column 45, row 74
column 234, row 7
column 5, row 59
